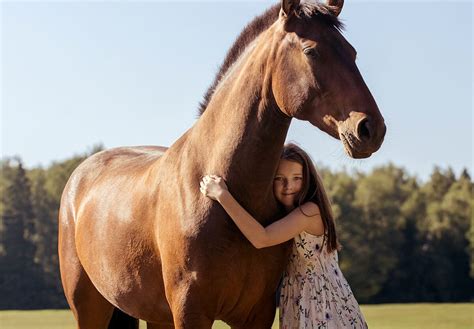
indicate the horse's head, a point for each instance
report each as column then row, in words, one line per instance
column 315, row 77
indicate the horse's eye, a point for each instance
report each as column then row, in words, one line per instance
column 310, row 51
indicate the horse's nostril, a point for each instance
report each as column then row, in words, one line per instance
column 363, row 130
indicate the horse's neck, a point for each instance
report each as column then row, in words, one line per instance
column 256, row 159
column 241, row 135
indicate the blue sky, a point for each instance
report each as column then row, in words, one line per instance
column 75, row 74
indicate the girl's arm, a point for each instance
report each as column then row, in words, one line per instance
column 282, row 230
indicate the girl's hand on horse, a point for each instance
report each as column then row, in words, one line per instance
column 212, row 186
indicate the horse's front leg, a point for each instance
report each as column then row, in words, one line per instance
column 262, row 316
column 191, row 320
column 188, row 304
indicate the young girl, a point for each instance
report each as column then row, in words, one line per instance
column 314, row 293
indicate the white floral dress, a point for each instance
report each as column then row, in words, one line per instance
column 314, row 293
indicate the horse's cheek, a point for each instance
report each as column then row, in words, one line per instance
column 292, row 82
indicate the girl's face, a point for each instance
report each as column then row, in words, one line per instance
column 288, row 183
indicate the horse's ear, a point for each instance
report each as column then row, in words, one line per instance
column 335, row 6
column 289, row 6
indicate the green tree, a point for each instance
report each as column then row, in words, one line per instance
column 451, row 236
column 439, row 183
column 46, row 238
column 18, row 216
column 470, row 234
column 7, row 172
column 19, row 272
column 46, row 232
column 375, row 222
column 444, row 238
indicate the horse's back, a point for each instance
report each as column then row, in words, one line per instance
column 119, row 160
column 112, row 164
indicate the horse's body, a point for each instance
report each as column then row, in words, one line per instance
column 135, row 234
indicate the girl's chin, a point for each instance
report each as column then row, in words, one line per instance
column 287, row 200
column 288, row 203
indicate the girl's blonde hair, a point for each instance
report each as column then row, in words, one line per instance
column 313, row 190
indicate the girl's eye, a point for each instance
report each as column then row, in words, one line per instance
column 278, row 178
column 298, row 178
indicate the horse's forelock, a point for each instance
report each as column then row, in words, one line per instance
column 322, row 11
column 259, row 24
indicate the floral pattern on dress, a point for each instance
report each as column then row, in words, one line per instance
column 314, row 293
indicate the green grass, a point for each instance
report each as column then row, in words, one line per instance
column 386, row 316
column 415, row 316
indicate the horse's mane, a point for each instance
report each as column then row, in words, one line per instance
column 258, row 25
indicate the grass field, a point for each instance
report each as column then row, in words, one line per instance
column 386, row 316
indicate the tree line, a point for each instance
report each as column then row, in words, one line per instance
column 402, row 240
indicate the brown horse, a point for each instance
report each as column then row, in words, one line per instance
column 138, row 240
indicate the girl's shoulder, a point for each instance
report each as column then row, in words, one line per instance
column 310, row 209
column 314, row 224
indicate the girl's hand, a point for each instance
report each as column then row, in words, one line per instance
column 213, row 186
